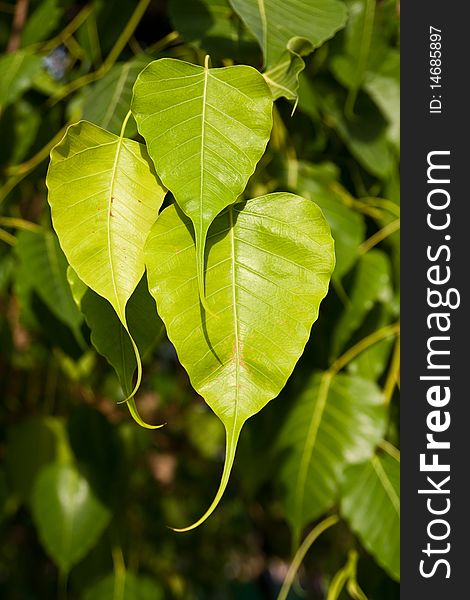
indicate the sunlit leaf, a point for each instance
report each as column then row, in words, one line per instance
column 334, row 423
column 274, row 22
column 370, row 502
column 68, row 515
column 205, row 129
column 104, row 198
column 268, row 268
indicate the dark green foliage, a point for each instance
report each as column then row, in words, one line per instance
column 86, row 495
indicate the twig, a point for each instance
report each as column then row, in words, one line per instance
column 19, row 19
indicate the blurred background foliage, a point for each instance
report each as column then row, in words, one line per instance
column 85, row 494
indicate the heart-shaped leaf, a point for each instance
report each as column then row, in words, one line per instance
column 205, row 130
column 371, row 504
column 68, row 515
column 275, row 22
column 268, row 268
column 334, row 423
column 104, row 198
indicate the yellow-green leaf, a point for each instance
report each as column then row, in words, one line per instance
column 205, row 130
column 269, row 263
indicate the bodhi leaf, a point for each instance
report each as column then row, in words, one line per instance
column 68, row 515
column 104, row 199
column 335, row 422
column 283, row 77
column 371, row 504
column 109, row 99
column 275, row 22
column 205, row 130
column 268, row 268
column 109, row 336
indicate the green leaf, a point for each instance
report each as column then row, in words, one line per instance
column 68, row 516
column 44, row 270
column 274, row 23
column 17, row 71
column 268, row 268
column 20, row 121
column 383, row 86
column 351, row 65
column 77, row 287
column 365, row 134
column 370, row 502
column 205, row 130
column 109, row 336
column 32, row 444
column 283, row 76
column 213, row 25
column 125, row 586
column 319, row 183
column 334, row 423
column 42, row 22
column 104, row 198
column 371, row 283
column 108, row 101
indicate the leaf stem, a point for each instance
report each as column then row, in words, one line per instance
column 379, row 236
column 362, row 345
column 67, row 31
column 17, row 223
column 7, row 237
column 302, row 551
column 390, row 449
column 393, row 373
column 124, row 124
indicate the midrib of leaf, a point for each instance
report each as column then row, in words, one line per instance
column 202, row 241
column 235, row 316
column 308, row 451
column 385, row 481
column 120, row 311
column 114, row 100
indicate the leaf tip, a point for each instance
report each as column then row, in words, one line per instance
column 231, row 446
column 137, row 418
